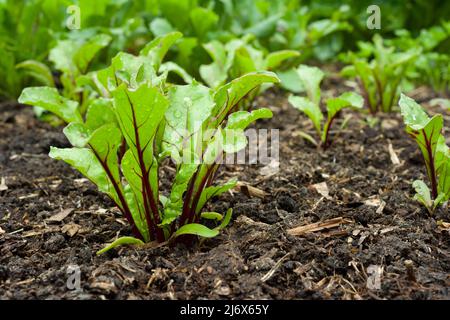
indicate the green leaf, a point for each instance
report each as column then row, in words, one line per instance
column 50, row 100
column 105, row 141
column 174, row 205
column 308, row 107
column 226, row 220
column 264, row 27
column 348, row 71
column 423, row 194
column 275, row 59
column 120, row 242
column 62, row 56
column 78, row 134
column 234, row 135
column 86, row 52
column 211, row 216
column 311, row 78
column 190, row 106
column 38, row 70
column 365, row 72
column 334, row 105
column 307, row 137
column 242, row 119
column 160, row 26
column 214, row 191
column 170, row 66
column 425, row 132
column 203, row 20
column 176, row 11
column 246, row 59
column 140, row 112
column 135, row 176
column 99, row 113
column 229, row 95
column 216, row 73
column 157, row 49
column 413, row 114
column 137, row 212
column 85, row 161
column 442, row 164
column 196, row 229
column 290, row 80
column 130, row 69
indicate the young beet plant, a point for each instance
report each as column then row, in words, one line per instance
column 138, row 124
column 311, row 77
column 192, row 125
column 380, row 78
column 81, row 89
column 239, row 57
column 426, row 132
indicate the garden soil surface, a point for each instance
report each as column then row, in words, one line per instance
column 373, row 241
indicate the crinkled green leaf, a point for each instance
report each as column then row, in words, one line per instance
column 190, row 106
column 133, row 70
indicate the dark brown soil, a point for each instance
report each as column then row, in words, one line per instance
column 255, row 257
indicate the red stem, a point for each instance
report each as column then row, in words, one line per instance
column 432, row 171
column 124, row 208
column 150, row 205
